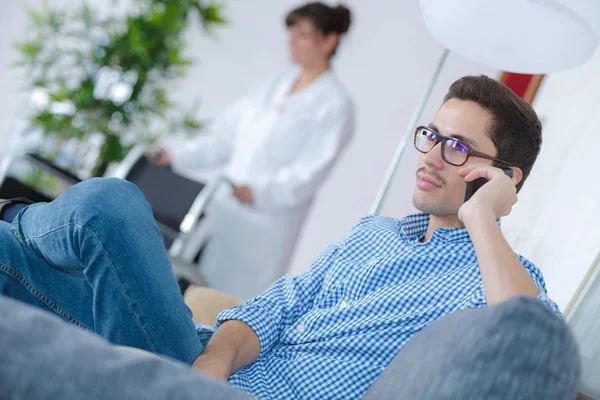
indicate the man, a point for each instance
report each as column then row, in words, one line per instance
column 94, row 257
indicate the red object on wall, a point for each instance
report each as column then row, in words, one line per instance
column 525, row 86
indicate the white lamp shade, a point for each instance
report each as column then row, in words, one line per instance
column 525, row 36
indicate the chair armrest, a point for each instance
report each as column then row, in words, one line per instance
column 191, row 219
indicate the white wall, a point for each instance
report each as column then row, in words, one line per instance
column 557, row 220
column 12, row 97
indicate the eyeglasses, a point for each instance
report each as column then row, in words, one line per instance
column 454, row 151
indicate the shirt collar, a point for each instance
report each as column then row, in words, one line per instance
column 414, row 227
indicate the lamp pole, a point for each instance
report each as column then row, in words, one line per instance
column 389, row 176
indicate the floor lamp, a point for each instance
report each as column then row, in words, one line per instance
column 524, row 36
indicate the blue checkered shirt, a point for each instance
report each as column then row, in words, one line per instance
column 330, row 332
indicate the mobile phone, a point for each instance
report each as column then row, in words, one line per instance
column 473, row 186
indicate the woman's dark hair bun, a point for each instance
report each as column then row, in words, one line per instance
column 341, row 19
column 325, row 18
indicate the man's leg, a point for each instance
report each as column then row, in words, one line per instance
column 95, row 257
column 44, row 358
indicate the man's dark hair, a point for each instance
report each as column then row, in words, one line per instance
column 516, row 129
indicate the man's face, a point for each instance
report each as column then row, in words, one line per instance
column 440, row 191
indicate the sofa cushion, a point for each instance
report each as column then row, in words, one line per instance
column 515, row 350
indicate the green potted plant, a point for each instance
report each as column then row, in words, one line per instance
column 108, row 76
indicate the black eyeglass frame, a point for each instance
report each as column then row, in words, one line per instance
column 471, row 152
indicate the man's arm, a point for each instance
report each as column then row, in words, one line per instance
column 245, row 332
column 502, row 273
column 233, row 346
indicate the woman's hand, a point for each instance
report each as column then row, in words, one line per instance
column 159, row 156
column 243, row 194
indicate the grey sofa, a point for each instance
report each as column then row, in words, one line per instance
column 516, row 350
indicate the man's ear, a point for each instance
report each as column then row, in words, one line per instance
column 517, row 174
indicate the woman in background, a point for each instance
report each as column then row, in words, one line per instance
column 278, row 144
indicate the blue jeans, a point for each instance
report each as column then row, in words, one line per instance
column 96, row 258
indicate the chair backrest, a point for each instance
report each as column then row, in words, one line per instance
column 170, row 195
column 52, row 168
column 178, row 203
column 11, row 188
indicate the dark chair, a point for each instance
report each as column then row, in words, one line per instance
column 11, row 187
column 170, row 195
column 50, row 167
column 178, row 203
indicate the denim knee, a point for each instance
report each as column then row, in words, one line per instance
column 110, row 199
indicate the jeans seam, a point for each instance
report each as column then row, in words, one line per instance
column 15, row 227
column 41, row 296
column 123, row 290
column 25, row 240
column 48, row 232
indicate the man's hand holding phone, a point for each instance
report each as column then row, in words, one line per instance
column 494, row 199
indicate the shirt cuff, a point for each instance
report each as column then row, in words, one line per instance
column 257, row 319
column 205, row 333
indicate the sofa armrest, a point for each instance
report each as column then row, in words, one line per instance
column 206, row 303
